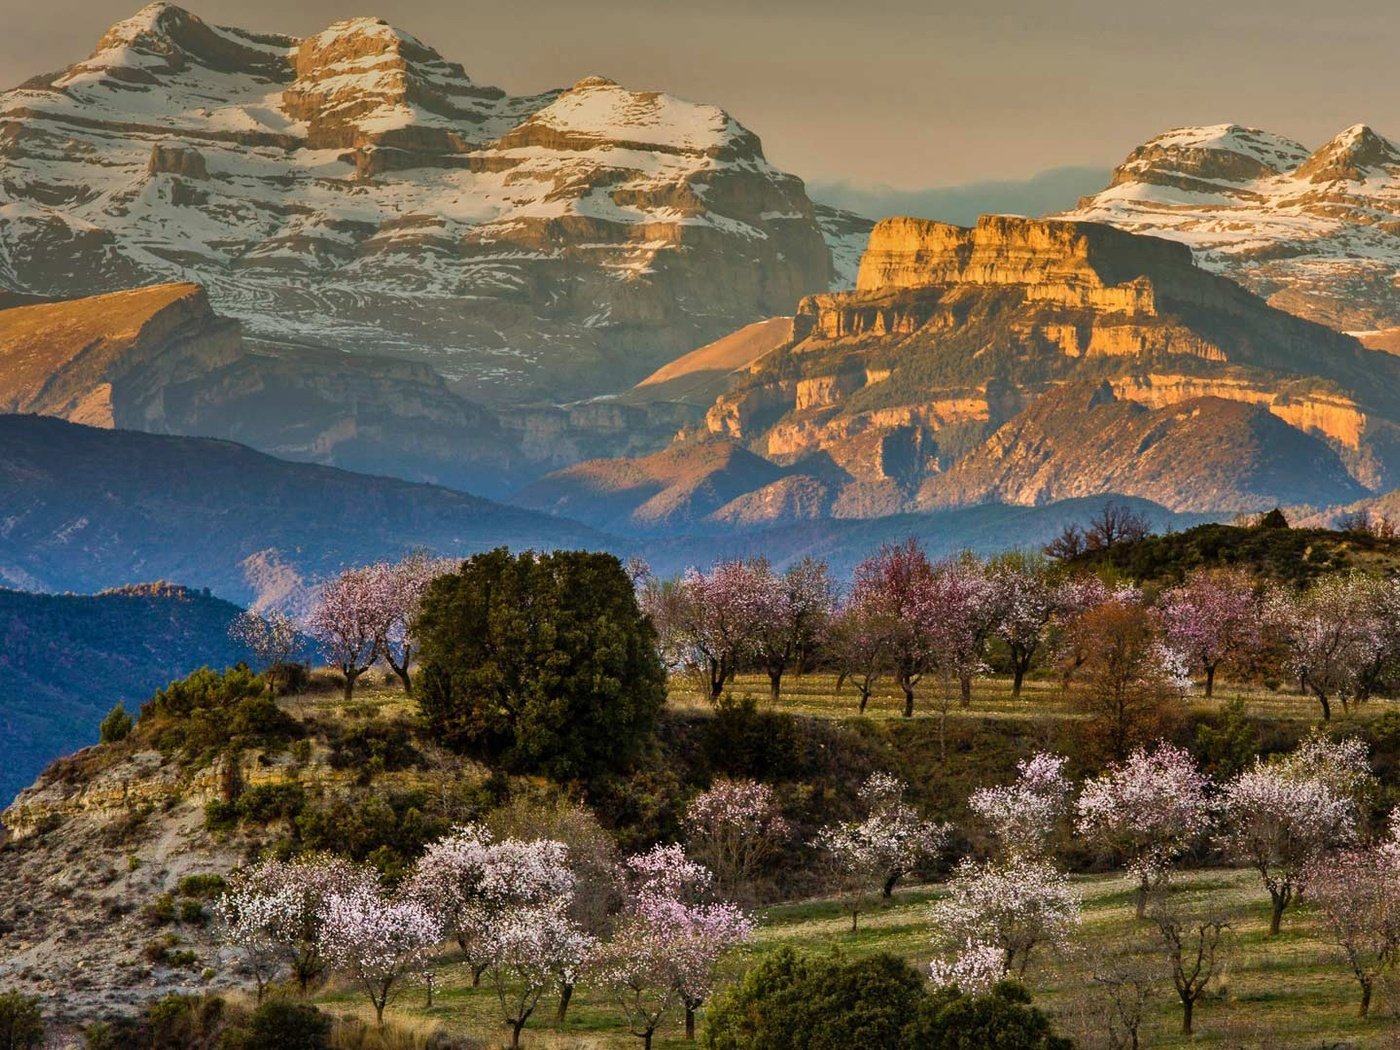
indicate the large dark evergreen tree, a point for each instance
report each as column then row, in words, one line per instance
column 540, row 663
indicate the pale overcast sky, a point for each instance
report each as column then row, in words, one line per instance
column 909, row 93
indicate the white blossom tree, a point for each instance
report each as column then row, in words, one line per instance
column 1357, row 894
column 1014, row 908
column 533, row 948
column 1212, row 617
column 272, row 637
column 1279, row 821
column 378, row 940
column 1022, row 816
column 401, row 587
column 1026, row 601
column 879, row 850
column 1148, row 809
column 278, row 909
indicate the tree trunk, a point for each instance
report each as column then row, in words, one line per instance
column 889, row 885
column 1280, row 901
column 1018, row 675
column 965, row 687
column 402, row 672
column 689, row 1023
column 646, row 1041
column 379, row 1013
column 477, row 971
column 1142, row 899
column 1326, row 707
column 855, row 917
column 1187, row 1007
column 516, row 1027
column 1210, row 680
column 908, row 699
column 864, row 698
column 566, row 993
column 775, row 682
column 1365, row 1010
column 350, row 677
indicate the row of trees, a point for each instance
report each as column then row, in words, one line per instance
column 912, row 618
column 535, row 917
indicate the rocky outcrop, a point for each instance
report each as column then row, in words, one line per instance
column 1313, row 231
column 938, row 382
column 356, row 189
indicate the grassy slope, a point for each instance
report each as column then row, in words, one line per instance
column 1291, row 991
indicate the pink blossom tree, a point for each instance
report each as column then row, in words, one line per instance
column 1212, row 617
column 1148, row 809
column 1022, row 816
column 666, row 948
column 272, row 637
column 734, row 827
column 471, row 882
column 1337, row 634
column 795, row 609
column 378, row 940
column 1357, row 894
column 954, row 610
column 859, row 640
column 1025, row 599
column 892, row 586
column 346, row 622
column 1014, row 908
column 1279, row 821
column 277, row 910
column 401, row 588
column 1074, row 599
column 879, row 850
column 712, row 619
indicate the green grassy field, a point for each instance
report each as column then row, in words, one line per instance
column 1289, row 991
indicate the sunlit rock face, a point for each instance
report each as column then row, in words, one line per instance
column 358, row 190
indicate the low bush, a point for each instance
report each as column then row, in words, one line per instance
column 21, row 1022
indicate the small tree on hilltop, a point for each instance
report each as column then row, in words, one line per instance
column 272, row 637
column 345, row 622
column 1149, row 809
column 541, row 662
column 1212, row 617
column 890, row 842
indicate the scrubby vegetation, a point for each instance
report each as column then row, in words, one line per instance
column 960, row 759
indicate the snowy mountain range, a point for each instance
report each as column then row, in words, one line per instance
column 1315, row 232
column 357, row 190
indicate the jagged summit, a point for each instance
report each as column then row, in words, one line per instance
column 1314, row 231
column 358, row 189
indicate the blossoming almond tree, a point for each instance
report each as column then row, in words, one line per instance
column 272, row 637
column 533, row 948
column 1357, row 893
column 892, row 586
column 666, row 948
column 889, row 843
column 1280, row 822
column 1022, row 816
column 378, row 940
column 734, row 827
column 1026, row 602
column 1212, row 617
column 471, row 881
column 401, row 587
column 1014, row 908
column 795, row 608
column 281, row 906
column 346, row 622
column 1148, row 808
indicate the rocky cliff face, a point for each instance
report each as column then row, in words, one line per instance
column 358, row 190
column 1312, row 231
column 898, row 395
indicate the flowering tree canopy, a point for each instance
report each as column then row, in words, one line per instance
column 889, row 843
column 1357, row 893
column 272, row 637
column 533, row 948
column 1280, row 821
column 1026, row 600
column 276, row 910
column 378, row 939
column 346, row 622
column 1022, row 816
column 1148, row 808
column 401, row 587
column 1013, row 908
column 734, row 827
column 1210, row 618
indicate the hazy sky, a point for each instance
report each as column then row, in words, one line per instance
column 910, row 93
